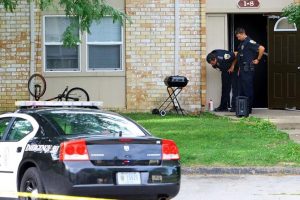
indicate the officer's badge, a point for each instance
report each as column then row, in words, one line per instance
column 242, row 47
column 226, row 56
column 252, row 41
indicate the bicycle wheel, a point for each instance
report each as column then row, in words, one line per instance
column 77, row 94
column 36, row 86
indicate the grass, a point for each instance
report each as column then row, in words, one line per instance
column 208, row 140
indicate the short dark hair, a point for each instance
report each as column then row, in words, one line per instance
column 239, row 30
column 210, row 57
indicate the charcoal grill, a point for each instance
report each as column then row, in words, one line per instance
column 174, row 87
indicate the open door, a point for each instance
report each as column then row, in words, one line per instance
column 284, row 64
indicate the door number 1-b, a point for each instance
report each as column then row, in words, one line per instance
column 248, row 4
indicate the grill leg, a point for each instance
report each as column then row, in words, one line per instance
column 174, row 98
column 169, row 98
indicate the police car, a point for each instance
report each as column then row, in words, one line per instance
column 60, row 148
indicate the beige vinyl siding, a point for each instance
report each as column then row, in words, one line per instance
column 106, row 85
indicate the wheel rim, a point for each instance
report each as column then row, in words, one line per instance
column 36, row 85
column 77, row 95
column 31, row 187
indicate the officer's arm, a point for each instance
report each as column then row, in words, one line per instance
column 261, row 51
column 233, row 62
column 232, row 57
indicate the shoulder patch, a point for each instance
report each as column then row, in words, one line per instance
column 226, row 56
column 252, row 41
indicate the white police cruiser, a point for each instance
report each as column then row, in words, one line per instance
column 61, row 148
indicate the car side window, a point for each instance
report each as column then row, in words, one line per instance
column 4, row 122
column 20, row 128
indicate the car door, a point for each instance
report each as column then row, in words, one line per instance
column 19, row 131
column 4, row 173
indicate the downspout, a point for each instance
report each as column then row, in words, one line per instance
column 202, row 66
column 177, row 30
column 32, row 38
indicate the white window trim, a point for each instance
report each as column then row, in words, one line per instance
column 281, row 30
column 58, row 43
column 122, row 53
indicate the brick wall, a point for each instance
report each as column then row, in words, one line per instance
column 150, row 52
column 14, row 56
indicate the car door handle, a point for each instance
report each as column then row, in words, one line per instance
column 19, row 149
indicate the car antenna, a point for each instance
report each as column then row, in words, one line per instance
column 120, row 133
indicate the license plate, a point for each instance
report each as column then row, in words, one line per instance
column 128, row 178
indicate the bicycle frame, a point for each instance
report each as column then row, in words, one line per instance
column 37, row 87
column 59, row 97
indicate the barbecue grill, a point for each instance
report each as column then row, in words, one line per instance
column 176, row 81
column 174, row 87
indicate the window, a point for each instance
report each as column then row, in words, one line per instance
column 105, row 45
column 90, row 123
column 19, row 130
column 57, row 57
column 4, row 122
column 283, row 25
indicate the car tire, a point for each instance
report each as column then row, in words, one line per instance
column 31, row 183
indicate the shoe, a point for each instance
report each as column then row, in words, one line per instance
column 232, row 110
column 220, row 109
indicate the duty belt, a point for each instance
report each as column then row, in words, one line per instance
column 247, row 67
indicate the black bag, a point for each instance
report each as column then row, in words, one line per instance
column 242, row 107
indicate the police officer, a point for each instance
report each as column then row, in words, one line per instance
column 249, row 54
column 222, row 60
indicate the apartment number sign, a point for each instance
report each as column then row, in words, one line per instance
column 248, row 3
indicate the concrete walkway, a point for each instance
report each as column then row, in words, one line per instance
column 285, row 120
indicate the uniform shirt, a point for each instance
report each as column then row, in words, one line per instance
column 224, row 59
column 247, row 51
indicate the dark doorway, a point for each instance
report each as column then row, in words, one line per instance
column 256, row 28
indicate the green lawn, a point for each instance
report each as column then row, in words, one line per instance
column 208, row 140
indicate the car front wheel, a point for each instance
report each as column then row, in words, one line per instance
column 31, row 184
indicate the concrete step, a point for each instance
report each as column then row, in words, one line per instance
column 289, row 122
column 294, row 134
column 286, row 119
column 287, row 126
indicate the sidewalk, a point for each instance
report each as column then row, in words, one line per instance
column 286, row 120
column 241, row 170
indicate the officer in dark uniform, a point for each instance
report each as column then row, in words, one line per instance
column 222, row 60
column 249, row 54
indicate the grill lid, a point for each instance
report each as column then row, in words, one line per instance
column 176, row 81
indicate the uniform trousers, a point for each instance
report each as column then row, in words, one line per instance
column 226, row 87
column 246, row 81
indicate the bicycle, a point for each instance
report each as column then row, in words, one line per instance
column 37, row 88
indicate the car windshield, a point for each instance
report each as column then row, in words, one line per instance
column 92, row 123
